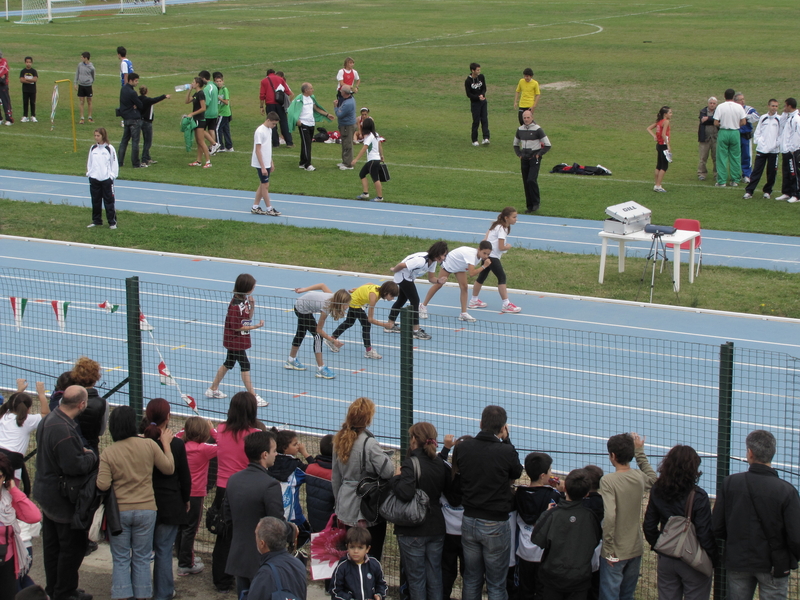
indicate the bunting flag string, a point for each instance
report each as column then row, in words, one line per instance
column 60, row 309
column 18, row 308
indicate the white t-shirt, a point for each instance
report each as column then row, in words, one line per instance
column 263, row 136
column 15, row 438
column 312, row 302
column 307, row 113
column 496, row 234
column 416, row 265
column 729, row 114
column 373, row 144
column 459, row 259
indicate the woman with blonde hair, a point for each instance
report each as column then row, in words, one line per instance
column 421, row 545
column 94, row 419
column 316, row 298
column 353, row 445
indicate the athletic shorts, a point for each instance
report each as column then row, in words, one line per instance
column 235, row 356
column 84, row 91
column 662, row 164
column 497, row 268
column 200, row 123
column 211, row 124
column 372, row 168
column 261, row 177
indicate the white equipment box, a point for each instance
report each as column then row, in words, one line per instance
column 628, row 217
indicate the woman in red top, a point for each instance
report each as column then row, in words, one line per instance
column 660, row 132
column 236, row 337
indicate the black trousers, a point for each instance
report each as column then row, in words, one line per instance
column 102, row 193
column 354, row 314
column 452, row 563
column 63, row 549
column 283, row 123
column 147, row 139
column 222, row 547
column 5, row 98
column 306, row 135
column 408, row 293
column 762, row 160
column 480, row 114
column 29, row 100
column 184, row 541
column 789, row 185
column 306, row 323
column 530, row 179
column 132, row 132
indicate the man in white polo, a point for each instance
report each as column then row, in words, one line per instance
column 729, row 116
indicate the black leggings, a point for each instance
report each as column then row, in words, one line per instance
column 233, row 357
column 497, row 268
column 408, row 292
column 350, row 320
column 306, row 323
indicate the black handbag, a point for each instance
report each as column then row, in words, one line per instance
column 371, row 489
column 215, row 523
column 280, row 96
column 411, row 513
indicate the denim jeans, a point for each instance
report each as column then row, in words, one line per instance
column 132, row 132
column 487, row 548
column 422, row 559
column 619, row 582
column 130, row 551
column 163, row 581
column 742, row 586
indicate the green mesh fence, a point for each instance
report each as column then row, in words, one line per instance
column 565, row 391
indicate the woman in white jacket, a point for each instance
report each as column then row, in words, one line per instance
column 351, row 442
column 102, row 169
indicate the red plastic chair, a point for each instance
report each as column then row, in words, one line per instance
column 690, row 225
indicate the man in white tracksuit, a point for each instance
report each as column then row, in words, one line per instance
column 767, row 140
column 790, row 149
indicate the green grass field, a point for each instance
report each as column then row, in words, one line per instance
column 606, row 68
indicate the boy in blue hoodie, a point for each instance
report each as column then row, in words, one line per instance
column 358, row 575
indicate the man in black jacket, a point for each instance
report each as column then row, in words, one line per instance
column 271, row 542
column 758, row 515
column 475, row 87
column 487, row 465
column 131, row 110
column 62, row 455
column 251, row 495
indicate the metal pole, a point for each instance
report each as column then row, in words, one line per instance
column 406, row 377
column 724, row 422
column 133, row 310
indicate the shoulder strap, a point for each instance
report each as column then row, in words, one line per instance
column 690, row 504
column 770, row 539
column 364, row 455
column 275, row 577
column 272, row 84
column 417, row 470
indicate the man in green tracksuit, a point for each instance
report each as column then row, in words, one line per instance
column 729, row 116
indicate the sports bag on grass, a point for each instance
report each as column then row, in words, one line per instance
column 411, row 513
column 678, row 539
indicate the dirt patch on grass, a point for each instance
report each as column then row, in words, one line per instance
column 558, row 85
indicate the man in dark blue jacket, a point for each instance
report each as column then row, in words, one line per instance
column 758, row 516
column 131, row 110
column 271, row 541
column 487, row 465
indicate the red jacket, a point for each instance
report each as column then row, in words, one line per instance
column 267, row 94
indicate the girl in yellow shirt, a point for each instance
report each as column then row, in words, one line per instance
column 367, row 294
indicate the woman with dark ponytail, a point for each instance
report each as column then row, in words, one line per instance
column 172, row 493
column 16, row 425
column 421, row 545
column 660, row 132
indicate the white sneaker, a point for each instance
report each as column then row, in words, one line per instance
column 8, row 123
column 112, row 226
column 792, row 200
column 34, row 120
column 372, row 354
column 261, row 402
column 747, row 180
column 658, row 189
column 475, row 144
column 782, row 197
column 24, row 120
column 332, row 346
column 747, row 196
column 511, row 308
column 423, row 311
column 215, row 148
column 466, row 317
column 485, row 141
column 766, row 196
column 477, row 303
column 215, row 394
column 310, row 168
column 345, row 168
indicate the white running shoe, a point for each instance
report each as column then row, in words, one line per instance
column 35, row 120
column 332, row 346
column 747, row 196
column 511, row 308
column 466, row 317
column 792, row 200
column 477, row 303
column 372, row 354
column 261, row 402
column 215, row 394
column 486, row 141
column 475, row 144
column 783, row 197
column 24, row 120
column 423, row 311
column 310, row 168
column 766, row 196
column 294, row 364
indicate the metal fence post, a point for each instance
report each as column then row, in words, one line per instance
column 406, row 377
column 133, row 310
column 724, row 421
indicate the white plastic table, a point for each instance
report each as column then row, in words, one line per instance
column 676, row 239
